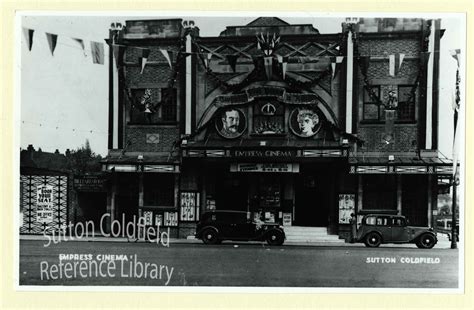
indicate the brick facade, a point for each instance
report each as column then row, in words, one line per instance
column 137, row 138
column 405, row 135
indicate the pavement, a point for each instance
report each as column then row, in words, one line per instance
column 443, row 241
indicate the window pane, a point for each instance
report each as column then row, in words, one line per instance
column 374, row 90
column 370, row 220
column 168, row 104
column 404, row 93
column 406, row 103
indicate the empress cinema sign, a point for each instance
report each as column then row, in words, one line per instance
column 263, row 153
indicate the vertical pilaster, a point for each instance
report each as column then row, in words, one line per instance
column 116, row 107
column 111, row 202
column 429, row 194
column 359, row 192
column 399, row 194
column 203, row 195
column 349, row 81
column 188, row 109
column 429, row 89
column 141, row 191
column 111, row 94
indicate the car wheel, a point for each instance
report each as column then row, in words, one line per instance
column 275, row 237
column 426, row 241
column 210, row 236
column 373, row 240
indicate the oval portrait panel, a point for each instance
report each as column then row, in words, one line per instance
column 304, row 122
column 230, row 123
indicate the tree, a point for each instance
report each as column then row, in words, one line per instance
column 83, row 160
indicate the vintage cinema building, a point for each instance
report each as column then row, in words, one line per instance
column 302, row 127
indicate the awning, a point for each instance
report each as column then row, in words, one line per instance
column 264, row 148
column 137, row 162
column 400, row 165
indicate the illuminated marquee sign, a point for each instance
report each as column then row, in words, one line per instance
column 263, row 153
column 267, row 167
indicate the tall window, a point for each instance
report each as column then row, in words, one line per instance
column 152, row 105
column 168, row 104
column 371, row 110
column 406, row 103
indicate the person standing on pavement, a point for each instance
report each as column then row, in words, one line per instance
column 353, row 222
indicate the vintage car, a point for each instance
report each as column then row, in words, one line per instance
column 376, row 229
column 216, row 226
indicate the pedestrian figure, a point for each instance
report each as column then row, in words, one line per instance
column 353, row 222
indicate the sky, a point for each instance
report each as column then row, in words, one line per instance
column 64, row 97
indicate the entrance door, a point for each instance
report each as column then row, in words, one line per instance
column 93, row 206
column 312, row 201
column 231, row 193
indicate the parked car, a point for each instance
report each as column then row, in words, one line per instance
column 216, row 226
column 376, row 229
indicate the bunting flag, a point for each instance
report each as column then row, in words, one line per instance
column 284, row 65
column 335, row 61
column 207, row 60
column 166, row 54
column 81, row 44
column 268, row 63
column 97, row 51
column 283, row 61
column 455, row 53
column 391, row 61
column 29, row 37
column 232, row 60
column 364, row 62
column 143, row 55
column 401, row 57
column 52, row 40
column 395, row 63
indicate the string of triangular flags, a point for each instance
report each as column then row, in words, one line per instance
column 96, row 48
column 97, row 53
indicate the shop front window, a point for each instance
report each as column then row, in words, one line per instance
column 159, row 190
column 269, row 191
column 379, row 192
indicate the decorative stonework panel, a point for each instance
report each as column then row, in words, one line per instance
column 153, row 138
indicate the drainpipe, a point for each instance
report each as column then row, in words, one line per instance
column 349, row 80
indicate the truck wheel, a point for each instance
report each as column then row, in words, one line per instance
column 275, row 237
column 426, row 241
column 373, row 240
column 210, row 236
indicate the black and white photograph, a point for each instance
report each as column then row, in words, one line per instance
column 242, row 152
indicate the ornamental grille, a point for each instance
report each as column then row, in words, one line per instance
column 29, row 203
